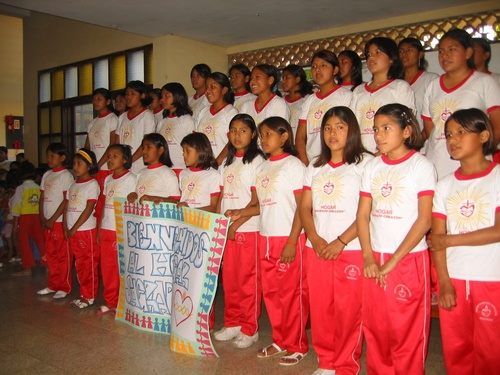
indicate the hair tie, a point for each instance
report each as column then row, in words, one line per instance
column 275, row 88
column 85, row 155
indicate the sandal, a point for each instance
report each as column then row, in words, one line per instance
column 294, row 358
column 82, row 303
column 105, row 309
column 264, row 352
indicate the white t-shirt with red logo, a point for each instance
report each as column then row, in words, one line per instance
column 115, row 187
column 295, row 112
column 131, row 131
column 99, row 132
column 157, row 180
column 215, row 125
column 277, row 182
column 242, row 97
column 174, row 129
column 469, row 203
column 236, row 182
column 366, row 102
column 313, row 110
column 198, row 186
column 478, row 90
column 197, row 103
column 335, row 196
column 275, row 106
column 394, row 187
column 79, row 193
column 419, row 85
column 54, row 185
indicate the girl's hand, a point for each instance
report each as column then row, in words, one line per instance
column 437, row 242
column 132, row 197
column 288, row 253
column 65, row 231
column 319, row 244
column 333, row 250
column 233, row 214
column 388, row 266
column 231, row 233
column 49, row 224
column 182, row 204
column 447, row 296
column 371, row 268
column 71, row 233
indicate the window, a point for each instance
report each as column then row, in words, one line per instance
column 65, row 94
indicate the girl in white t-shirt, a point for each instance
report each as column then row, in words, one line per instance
column 460, row 87
column 136, row 122
column 297, row 86
column 279, row 183
column 53, row 188
column 242, row 292
column 118, row 185
column 178, row 122
column 465, row 244
column 100, row 134
column 351, row 70
column 394, row 214
column 239, row 75
column 324, row 68
column 155, row 105
column 79, row 225
column 198, row 101
column 101, row 131
column 199, row 182
column 213, row 121
column 264, row 83
column 386, row 86
column 412, row 55
column 334, row 261
column 156, row 182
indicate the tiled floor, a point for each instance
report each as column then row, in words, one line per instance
column 40, row 335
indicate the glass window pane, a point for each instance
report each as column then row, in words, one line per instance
column 71, row 82
column 101, row 74
column 56, row 120
column 58, row 85
column 85, row 79
column 45, row 121
column 83, row 116
column 148, row 62
column 44, row 87
column 44, row 142
column 135, row 66
column 117, row 73
column 80, row 141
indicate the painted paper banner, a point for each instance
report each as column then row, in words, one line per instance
column 169, row 261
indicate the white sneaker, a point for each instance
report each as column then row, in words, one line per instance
column 226, row 334
column 322, row 371
column 244, row 341
column 60, row 294
column 45, row 291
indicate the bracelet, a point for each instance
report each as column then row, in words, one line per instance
column 342, row 242
column 291, row 243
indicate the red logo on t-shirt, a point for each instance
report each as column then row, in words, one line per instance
column 328, row 188
column 318, row 114
column 386, row 190
column 467, row 209
column 370, row 114
column 191, row 186
column 445, row 114
column 264, row 182
column 111, row 193
column 230, row 178
column 142, row 189
column 208, row 129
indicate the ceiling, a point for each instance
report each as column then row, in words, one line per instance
column 223, row 22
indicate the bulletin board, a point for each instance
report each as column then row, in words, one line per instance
column 14, row 132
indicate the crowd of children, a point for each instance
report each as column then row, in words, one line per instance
column 330, row 195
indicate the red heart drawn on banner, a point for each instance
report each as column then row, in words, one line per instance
column 182, row 307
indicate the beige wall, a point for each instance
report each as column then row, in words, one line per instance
column 11, row 66
column 52, row 41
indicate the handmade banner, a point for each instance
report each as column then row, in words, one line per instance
column 169, row 262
